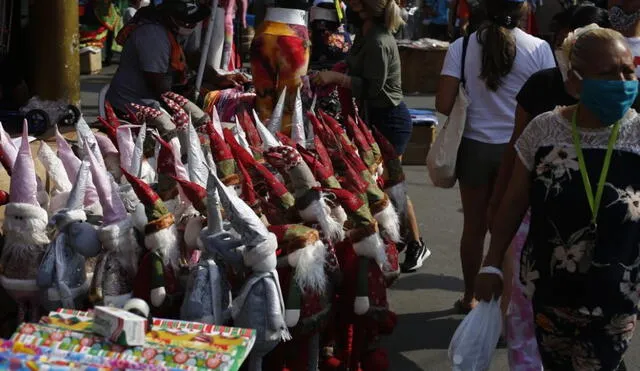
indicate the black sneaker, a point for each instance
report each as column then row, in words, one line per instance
column 417, row 253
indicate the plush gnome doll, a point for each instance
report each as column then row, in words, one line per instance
column 207, row 297
column 62, row 272
column 379, row 203
column 362, row 303
column 259, row 305
column 310, row 202
column 156, row 282
column 305, row 286
column 116, row 266
column 25, row 229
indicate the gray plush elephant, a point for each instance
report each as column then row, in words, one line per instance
column 62, row 274
column 259, row 305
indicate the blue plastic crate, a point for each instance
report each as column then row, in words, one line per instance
column 423, row 117
column 251, row 20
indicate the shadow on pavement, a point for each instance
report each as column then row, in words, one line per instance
column 423, row 281
column 400, row 362
column 420, row 331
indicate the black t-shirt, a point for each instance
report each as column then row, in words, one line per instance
column 543, row 91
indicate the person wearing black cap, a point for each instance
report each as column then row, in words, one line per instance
column 153, row 60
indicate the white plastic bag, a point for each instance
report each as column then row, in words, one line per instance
column 442, row 157
column 476, row 338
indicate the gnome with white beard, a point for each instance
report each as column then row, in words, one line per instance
column 62, row 273
column 260, row 304
column 301, row 268
column 310, row 202
column 25, row 240
column 156, row 281
column 117, row 264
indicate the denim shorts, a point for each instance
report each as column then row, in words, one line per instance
column 394, row 123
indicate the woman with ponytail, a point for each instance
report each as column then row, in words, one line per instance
column 499, row 59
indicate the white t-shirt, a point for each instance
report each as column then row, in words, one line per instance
column 634, row 45
column 490, row 116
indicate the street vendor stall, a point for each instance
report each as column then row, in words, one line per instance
column 421, row 62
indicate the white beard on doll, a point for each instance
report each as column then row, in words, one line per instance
column 319, row 212
column 124, row 248
column 309, row 265
column 28, row 231
column 165, row 242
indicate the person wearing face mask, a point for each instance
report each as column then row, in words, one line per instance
column 542, row 92
column 576, row 171
column 153, row 60
column 625, row 18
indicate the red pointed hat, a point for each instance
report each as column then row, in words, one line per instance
column 286, row 140
column 332, row 123
column 166, row 160
column 110, row 130
column 386, row 148
column 195, row 193
column 158, row 215
column 357, row 135
column 351, row 179
column 219, row 148
column 320, row 172
column 274, row 186
column 249, row 194
column 322, row 152
column 112, row 118
column 322, row 131
column 249, row 128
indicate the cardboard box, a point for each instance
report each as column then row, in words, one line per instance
column 90, row 62
column 422, row 137
column 119, row 326
column 421, row 69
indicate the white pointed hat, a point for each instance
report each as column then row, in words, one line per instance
column 275, row 122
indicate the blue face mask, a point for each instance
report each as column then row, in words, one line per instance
column 609, row 100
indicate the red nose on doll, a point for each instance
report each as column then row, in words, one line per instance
column 4, row 198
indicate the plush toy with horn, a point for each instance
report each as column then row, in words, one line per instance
column 259, row 304
column 62, row 273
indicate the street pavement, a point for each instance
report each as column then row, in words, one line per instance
column 422, row 300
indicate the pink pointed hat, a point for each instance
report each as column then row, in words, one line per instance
column 126, row 145
column 7, row 145
column 72, row 164
column 113, row 210
column 24, row 187
column 107, row 148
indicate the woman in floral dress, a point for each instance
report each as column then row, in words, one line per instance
column 576, row 170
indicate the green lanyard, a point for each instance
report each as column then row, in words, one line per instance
column 594, row 202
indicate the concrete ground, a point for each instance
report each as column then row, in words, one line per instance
column 423, row 300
